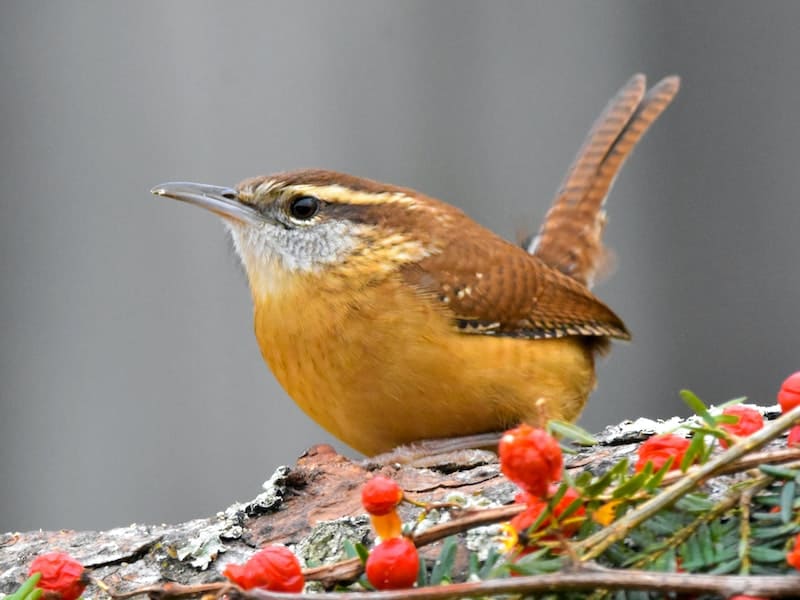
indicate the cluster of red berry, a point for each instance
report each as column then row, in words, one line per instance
column 394, row 563
column 532, row 458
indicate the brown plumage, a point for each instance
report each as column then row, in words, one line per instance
column 570, row 238
column 492, row 287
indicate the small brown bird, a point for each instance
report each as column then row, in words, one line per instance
column 391, row 317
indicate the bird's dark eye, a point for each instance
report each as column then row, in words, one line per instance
column 304, row 207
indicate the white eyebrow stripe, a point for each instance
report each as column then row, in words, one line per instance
column 342, row 194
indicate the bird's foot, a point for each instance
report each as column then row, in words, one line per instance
column 469, row 450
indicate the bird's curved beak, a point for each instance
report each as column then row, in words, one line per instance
column 223, row 201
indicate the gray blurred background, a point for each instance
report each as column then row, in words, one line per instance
column 131, row 386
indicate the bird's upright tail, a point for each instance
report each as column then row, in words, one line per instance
column 570, row 238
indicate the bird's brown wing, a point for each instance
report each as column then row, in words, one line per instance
column 570, row 238
column 492, row 287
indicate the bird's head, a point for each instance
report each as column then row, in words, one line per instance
column 310, row 223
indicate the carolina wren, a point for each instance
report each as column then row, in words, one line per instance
column 392, row 317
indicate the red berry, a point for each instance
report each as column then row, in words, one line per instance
column 536, row 506
column 750, row 421
column 793, row 556
column 393, row 564
column 62, row 576
column 380, row 495
column 660, row 448
column 274, row 568
column 789, row 396
column 531, row 458
column 794, row 436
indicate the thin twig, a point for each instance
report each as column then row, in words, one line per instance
column 772, row 586
column 587, row 578
column 779, row 455
column 596, row 544
column 341, row 572
column 744, row 527
column 469, row 520
column 174, row 590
